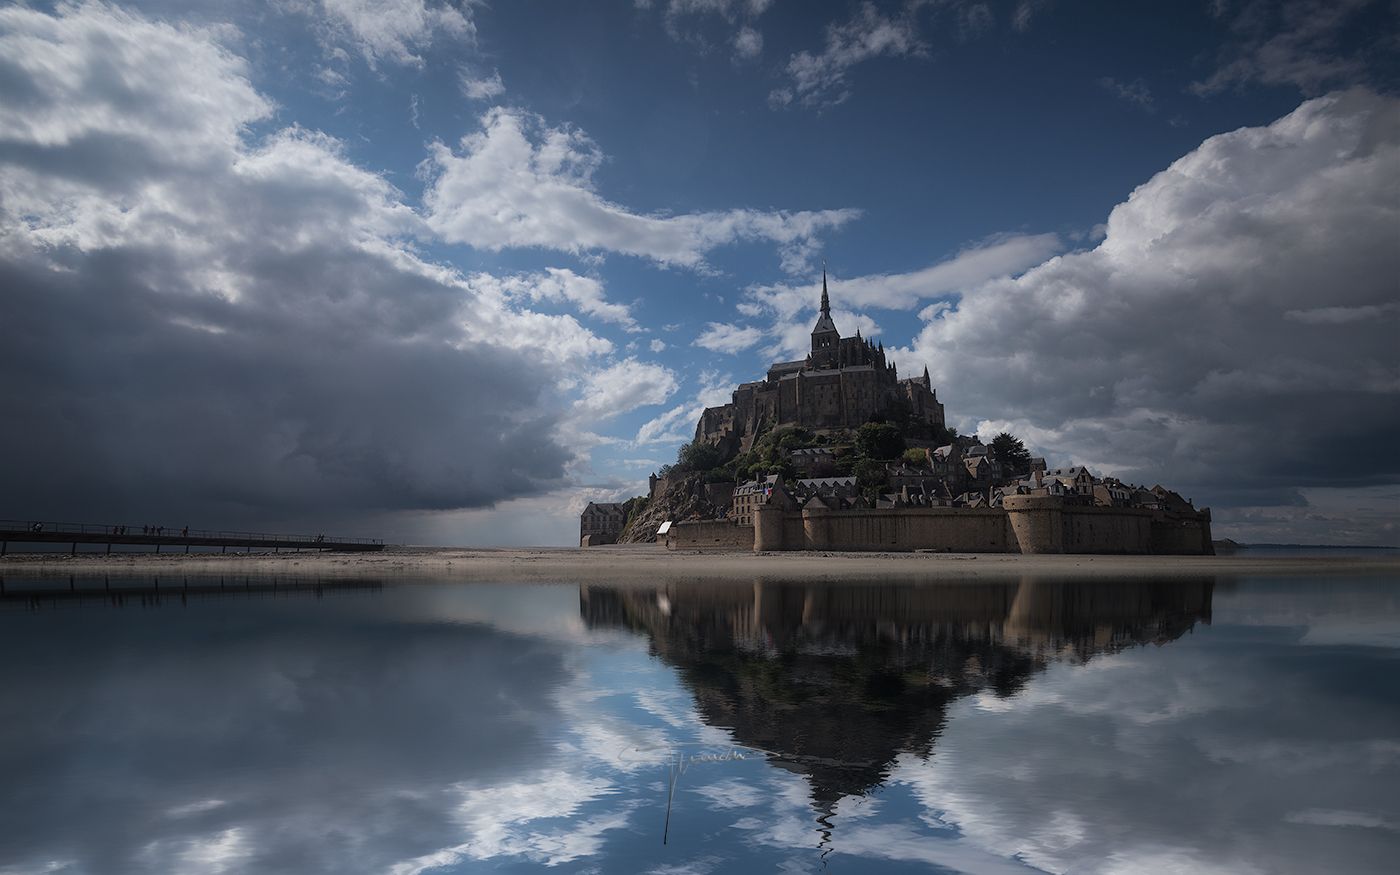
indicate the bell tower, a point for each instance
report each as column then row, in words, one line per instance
column 826, row 340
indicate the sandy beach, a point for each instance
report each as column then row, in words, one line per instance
column 640, row 563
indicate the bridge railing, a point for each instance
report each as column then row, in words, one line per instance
column 51, row 527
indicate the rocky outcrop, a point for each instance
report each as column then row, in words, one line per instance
column 684, row 497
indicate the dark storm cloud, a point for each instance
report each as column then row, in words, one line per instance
column 204, row 324
column 125, row 408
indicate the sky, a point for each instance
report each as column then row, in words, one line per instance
column 443, row 272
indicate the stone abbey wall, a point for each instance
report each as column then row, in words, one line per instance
column 1027, row 524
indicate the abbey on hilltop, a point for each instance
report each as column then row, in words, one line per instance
column 842, row 383
column 836, row 452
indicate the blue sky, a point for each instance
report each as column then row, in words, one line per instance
column 445, row 272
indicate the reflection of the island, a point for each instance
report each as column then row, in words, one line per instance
column 836, row 681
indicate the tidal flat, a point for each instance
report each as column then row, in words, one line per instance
column 648, row 562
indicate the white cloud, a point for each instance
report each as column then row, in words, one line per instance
column 520, row 183
column 222, row 851
column 494, row 316
column 1025, row 13
column 625, row 386
column 393, row 30
column 792, row 336
column 658, row 345
column 792, row 307
column 974, row 19
column 1135, row 92
column 723, row 337
column 1208, row 339
column 731, row 793
column 1297, row 43
column 68, row 102
column 501, row 820
column 748, row 43
column 483, row 87
column 1005, row 255
column 586, row 293
column 678, row 423
column 819, row 79
column 192, row 808
column 703, row 23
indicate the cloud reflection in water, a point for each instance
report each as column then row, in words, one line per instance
column 984, row 727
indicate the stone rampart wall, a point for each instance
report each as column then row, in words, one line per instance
column 1182, row 535
column 1028, row 524
column 1107, row 530
column 963, row 531
column 709, row 535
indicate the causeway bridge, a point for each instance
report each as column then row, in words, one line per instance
column 158, row 537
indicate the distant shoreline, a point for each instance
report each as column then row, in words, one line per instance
column 1271, row 546
column 649, row 562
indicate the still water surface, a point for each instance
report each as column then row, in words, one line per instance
column 1211, row 725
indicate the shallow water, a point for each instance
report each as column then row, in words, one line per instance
column 277, row 725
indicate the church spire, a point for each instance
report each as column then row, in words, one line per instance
column 826, row 340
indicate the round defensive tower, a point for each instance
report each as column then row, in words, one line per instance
column 767, row 528
column 1037, row 522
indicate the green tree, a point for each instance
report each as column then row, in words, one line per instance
column 1012, row 454
column 789, row 439
column 879, row 440
column 915, row 456
column 870, row 473
column 699, row 456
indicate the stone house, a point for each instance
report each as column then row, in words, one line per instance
column 1076, row 479
column 749, row 495
column 827, row 487
column 1111, row 492
column 601, row 523
column 814, row 461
